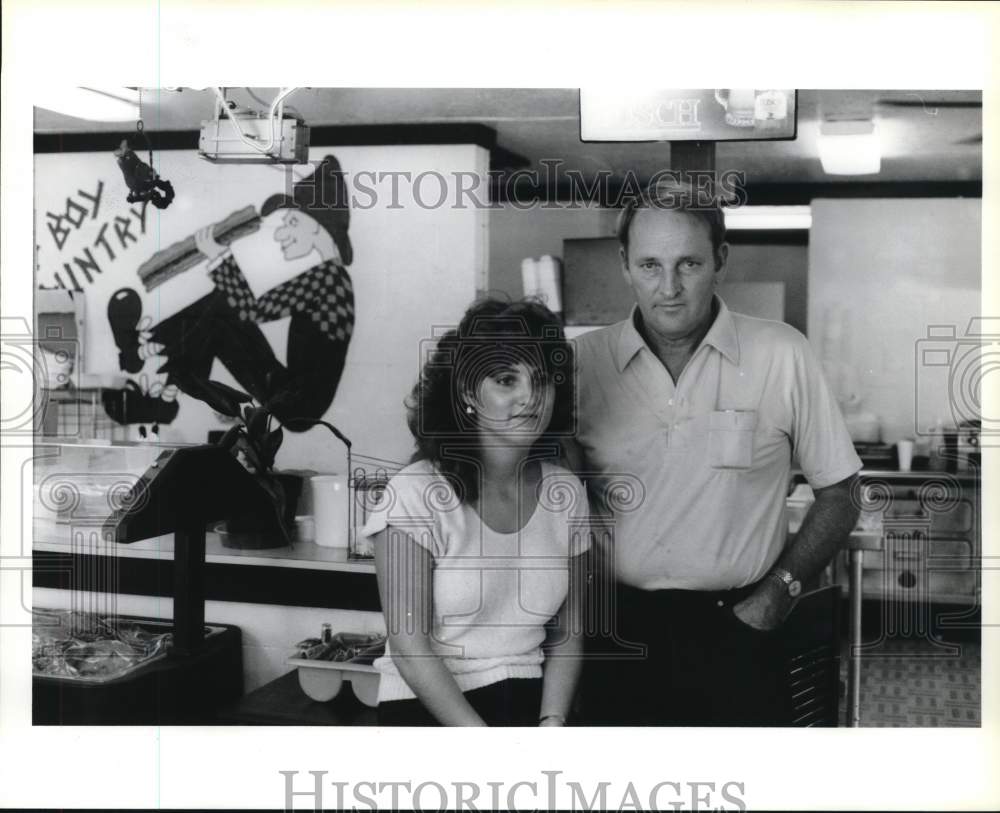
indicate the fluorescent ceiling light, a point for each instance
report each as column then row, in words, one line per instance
column 93, row 104
column 849, row 147
column 769, row 217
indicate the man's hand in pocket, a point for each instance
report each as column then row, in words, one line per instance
column 765, row 608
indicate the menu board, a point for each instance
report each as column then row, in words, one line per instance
column 727, row 114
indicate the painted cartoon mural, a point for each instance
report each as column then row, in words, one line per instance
column 261, row 277
column 223, row 325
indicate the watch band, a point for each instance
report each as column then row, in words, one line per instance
column 792, row 585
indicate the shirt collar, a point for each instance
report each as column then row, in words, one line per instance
column 721, row 335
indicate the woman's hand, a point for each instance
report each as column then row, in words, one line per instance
column 564, row 649
column 204, row 240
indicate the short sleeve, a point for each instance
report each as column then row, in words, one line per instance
column 562, row 493
column 820, row 438
column 411, row 502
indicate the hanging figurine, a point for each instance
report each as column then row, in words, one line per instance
column 144, row 184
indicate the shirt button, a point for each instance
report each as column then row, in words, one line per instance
column 720, row 603
column 670, row 402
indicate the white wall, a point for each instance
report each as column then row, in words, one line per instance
column 880, row 273
column 516, row 234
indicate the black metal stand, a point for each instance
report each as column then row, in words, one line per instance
column 181, row 493
column 189, row 590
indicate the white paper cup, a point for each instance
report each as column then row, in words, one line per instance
column 529, row 276
column 331, row 510
column 905, row 450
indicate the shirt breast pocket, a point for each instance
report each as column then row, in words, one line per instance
column 731, row 439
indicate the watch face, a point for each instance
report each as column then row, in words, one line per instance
column 794, row 588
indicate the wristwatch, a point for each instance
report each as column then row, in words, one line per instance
column 792, row 585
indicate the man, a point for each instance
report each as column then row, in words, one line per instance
column 705, row 408
column 224, row 324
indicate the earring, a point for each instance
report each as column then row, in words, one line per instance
column 469, row 410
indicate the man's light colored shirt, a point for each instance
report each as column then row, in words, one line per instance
column 703, row 465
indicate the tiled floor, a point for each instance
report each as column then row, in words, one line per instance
column 918, row 682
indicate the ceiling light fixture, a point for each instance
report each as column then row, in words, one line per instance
column 768, row 217
column 238, row 135
column 92, row 104
column 849, row 147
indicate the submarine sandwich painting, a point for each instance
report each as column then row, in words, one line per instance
column 224, row 288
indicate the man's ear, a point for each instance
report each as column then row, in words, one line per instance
column 623, row 256
column 721, row 258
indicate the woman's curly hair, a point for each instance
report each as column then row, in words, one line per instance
column 493, row 333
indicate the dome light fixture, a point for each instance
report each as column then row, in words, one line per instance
column 91, row 103
column 849, row 147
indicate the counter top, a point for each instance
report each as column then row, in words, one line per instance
column 910, row 476
column 895, row 474
column 54, row 537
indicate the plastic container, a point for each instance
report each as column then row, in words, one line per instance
column 331, row 510
column 322, row 680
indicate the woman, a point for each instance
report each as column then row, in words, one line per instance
column 478, row 541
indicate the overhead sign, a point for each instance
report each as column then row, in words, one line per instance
column 728, row 114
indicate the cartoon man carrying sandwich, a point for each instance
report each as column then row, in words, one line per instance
column 224, row 324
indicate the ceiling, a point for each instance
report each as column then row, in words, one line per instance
column 926, row 136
